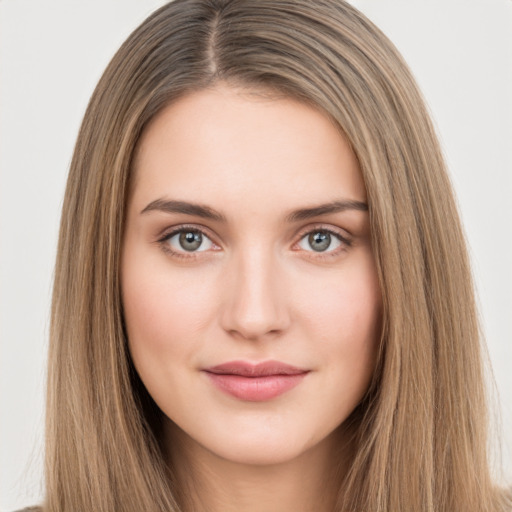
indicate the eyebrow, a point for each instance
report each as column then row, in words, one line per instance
column 198, row 210
column 324, row 209
column 203, row 211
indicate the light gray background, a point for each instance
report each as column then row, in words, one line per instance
column 51, row 55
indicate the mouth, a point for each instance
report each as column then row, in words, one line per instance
column 255, row 382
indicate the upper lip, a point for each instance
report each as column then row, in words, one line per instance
column 248, row 369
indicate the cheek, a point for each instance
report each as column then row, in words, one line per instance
column 344, row 316
column 163, row 310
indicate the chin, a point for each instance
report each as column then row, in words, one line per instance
column 256, row 445
column 261, row 452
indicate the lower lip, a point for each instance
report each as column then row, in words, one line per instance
column 255, row 389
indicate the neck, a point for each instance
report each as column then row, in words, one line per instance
column 207, row 482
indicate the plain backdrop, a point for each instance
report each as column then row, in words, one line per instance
column 51, row 55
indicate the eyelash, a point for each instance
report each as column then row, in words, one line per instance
column 182, row 229
column 345, row 242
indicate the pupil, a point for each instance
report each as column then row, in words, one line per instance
column 320, row 241
column 190, row 241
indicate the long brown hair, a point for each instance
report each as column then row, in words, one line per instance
column 422, row 429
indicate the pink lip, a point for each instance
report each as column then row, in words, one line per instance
column 255, row 382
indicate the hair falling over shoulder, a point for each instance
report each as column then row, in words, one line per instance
column 422, row 431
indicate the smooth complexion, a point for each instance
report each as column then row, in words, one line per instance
column 248, row 240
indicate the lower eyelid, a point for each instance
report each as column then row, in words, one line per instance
column 344, row 241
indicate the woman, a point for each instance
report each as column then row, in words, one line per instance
column 262, row 296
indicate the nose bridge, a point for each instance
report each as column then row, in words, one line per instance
column 255, row 305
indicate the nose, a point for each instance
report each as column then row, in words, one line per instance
column 255, row 305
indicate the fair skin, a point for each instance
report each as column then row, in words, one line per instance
column 251, row 283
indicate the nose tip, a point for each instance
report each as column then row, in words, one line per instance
column 249, row 324
column 256, row 307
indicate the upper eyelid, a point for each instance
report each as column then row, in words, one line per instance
column 171, row 231
column 299, row 235
column 203, row 229
column 337, row 231
column 345, row 241
column 319, row 226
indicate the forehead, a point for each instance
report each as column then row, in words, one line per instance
column 234, row 148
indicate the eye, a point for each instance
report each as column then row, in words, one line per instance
column 188, row 240
column 321, row 240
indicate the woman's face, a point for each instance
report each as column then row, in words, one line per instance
column 249, row 288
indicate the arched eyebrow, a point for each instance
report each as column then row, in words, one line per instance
column 199, row 210
column 325, row 209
